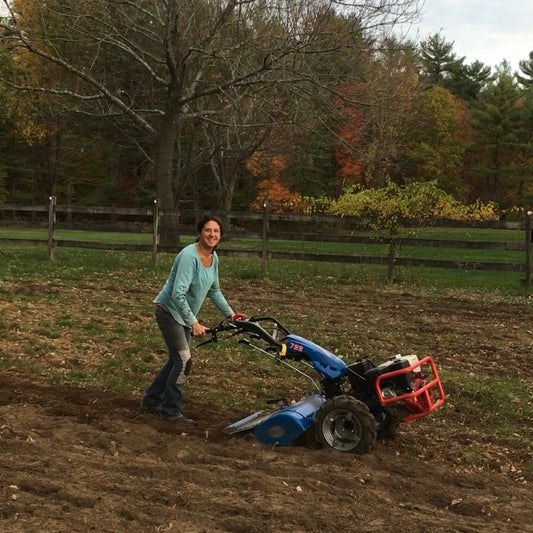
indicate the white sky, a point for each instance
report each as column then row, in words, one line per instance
column 487, row 30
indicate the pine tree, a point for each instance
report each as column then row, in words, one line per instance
column 525, row 161
column 438, row 60
column 496, row 145
column 468, row 80
column 526, row 66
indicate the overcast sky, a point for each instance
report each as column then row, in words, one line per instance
column 487, row 30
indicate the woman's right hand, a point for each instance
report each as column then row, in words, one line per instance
column 198, row 330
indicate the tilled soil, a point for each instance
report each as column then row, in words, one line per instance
column 83, row 459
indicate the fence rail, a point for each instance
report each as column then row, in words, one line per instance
column 264, row 238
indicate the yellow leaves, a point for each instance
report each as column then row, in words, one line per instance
column 440, row 141
column 480, row 211
column 385, row 208
column 279, row 164
column 32, row 132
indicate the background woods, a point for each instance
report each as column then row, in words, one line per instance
column 227, row 104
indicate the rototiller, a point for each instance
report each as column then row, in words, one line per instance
column 354, row 404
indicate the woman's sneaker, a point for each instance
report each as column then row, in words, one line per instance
column 178, row 417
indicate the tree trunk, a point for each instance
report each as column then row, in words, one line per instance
column 225, row 204
column 169, row 221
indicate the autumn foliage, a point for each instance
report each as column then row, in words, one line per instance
column 388, row 207
column 270, row 190
column 350, row 139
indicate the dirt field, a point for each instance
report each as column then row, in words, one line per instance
column 85, row 460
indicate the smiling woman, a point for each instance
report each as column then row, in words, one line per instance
column 208, row 238
column 192, row 278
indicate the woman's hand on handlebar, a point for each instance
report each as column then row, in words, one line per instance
column 198, row 330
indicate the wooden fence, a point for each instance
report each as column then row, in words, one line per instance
column 262, row 230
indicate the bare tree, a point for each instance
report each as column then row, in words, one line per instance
column 165, row 66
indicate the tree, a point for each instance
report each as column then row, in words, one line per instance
column 153, row 66
column 526, row 68
column 437, row 59
column 4, row 128
column 467, row 81
column 439, row 137
column 374, row 136
column 350, row 141
column 441, row 66
column 70, row 155
column 246, row 128
column 524, row 158
column 311, row 166
column 496, row 143
column 3, row 172
column 272, row 191
column 388, row 209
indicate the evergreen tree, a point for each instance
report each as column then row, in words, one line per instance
column 441, row 66
column 525, row 134
column 467, row 81
column 526, row 66
column 496, row 147
column 438, row 61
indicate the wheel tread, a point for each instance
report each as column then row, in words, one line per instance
column 336, row 407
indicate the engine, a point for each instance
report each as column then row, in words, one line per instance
column 409, row 387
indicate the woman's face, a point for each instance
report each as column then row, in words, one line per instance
column 210, row 235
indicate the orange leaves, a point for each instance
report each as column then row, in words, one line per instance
column 278, row 197
column 350, row 138
column 271, row 190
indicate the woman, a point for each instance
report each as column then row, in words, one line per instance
column 193, row 277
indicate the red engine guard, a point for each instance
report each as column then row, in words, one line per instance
column 425, row 398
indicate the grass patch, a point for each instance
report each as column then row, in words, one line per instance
column 96, row 267
column 77, row 235
column 502, row 405
column 464, row 256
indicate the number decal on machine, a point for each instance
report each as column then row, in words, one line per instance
column 296, row 347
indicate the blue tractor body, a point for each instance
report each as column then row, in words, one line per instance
column 283, row 427
column 324, row 362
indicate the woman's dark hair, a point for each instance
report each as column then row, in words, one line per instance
column 204, row 220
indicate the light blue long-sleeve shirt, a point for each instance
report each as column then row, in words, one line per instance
column 188, row 284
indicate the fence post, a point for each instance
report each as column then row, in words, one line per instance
column 528, row 248
column 51, row 226
column 264, row 253
column 155, row 233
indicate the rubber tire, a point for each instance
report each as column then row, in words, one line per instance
column 345, row 424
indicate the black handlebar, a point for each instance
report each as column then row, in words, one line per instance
column 250, row 327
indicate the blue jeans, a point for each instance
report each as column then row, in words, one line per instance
column 166, row 390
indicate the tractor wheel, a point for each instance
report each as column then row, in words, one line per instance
column 345, row 424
